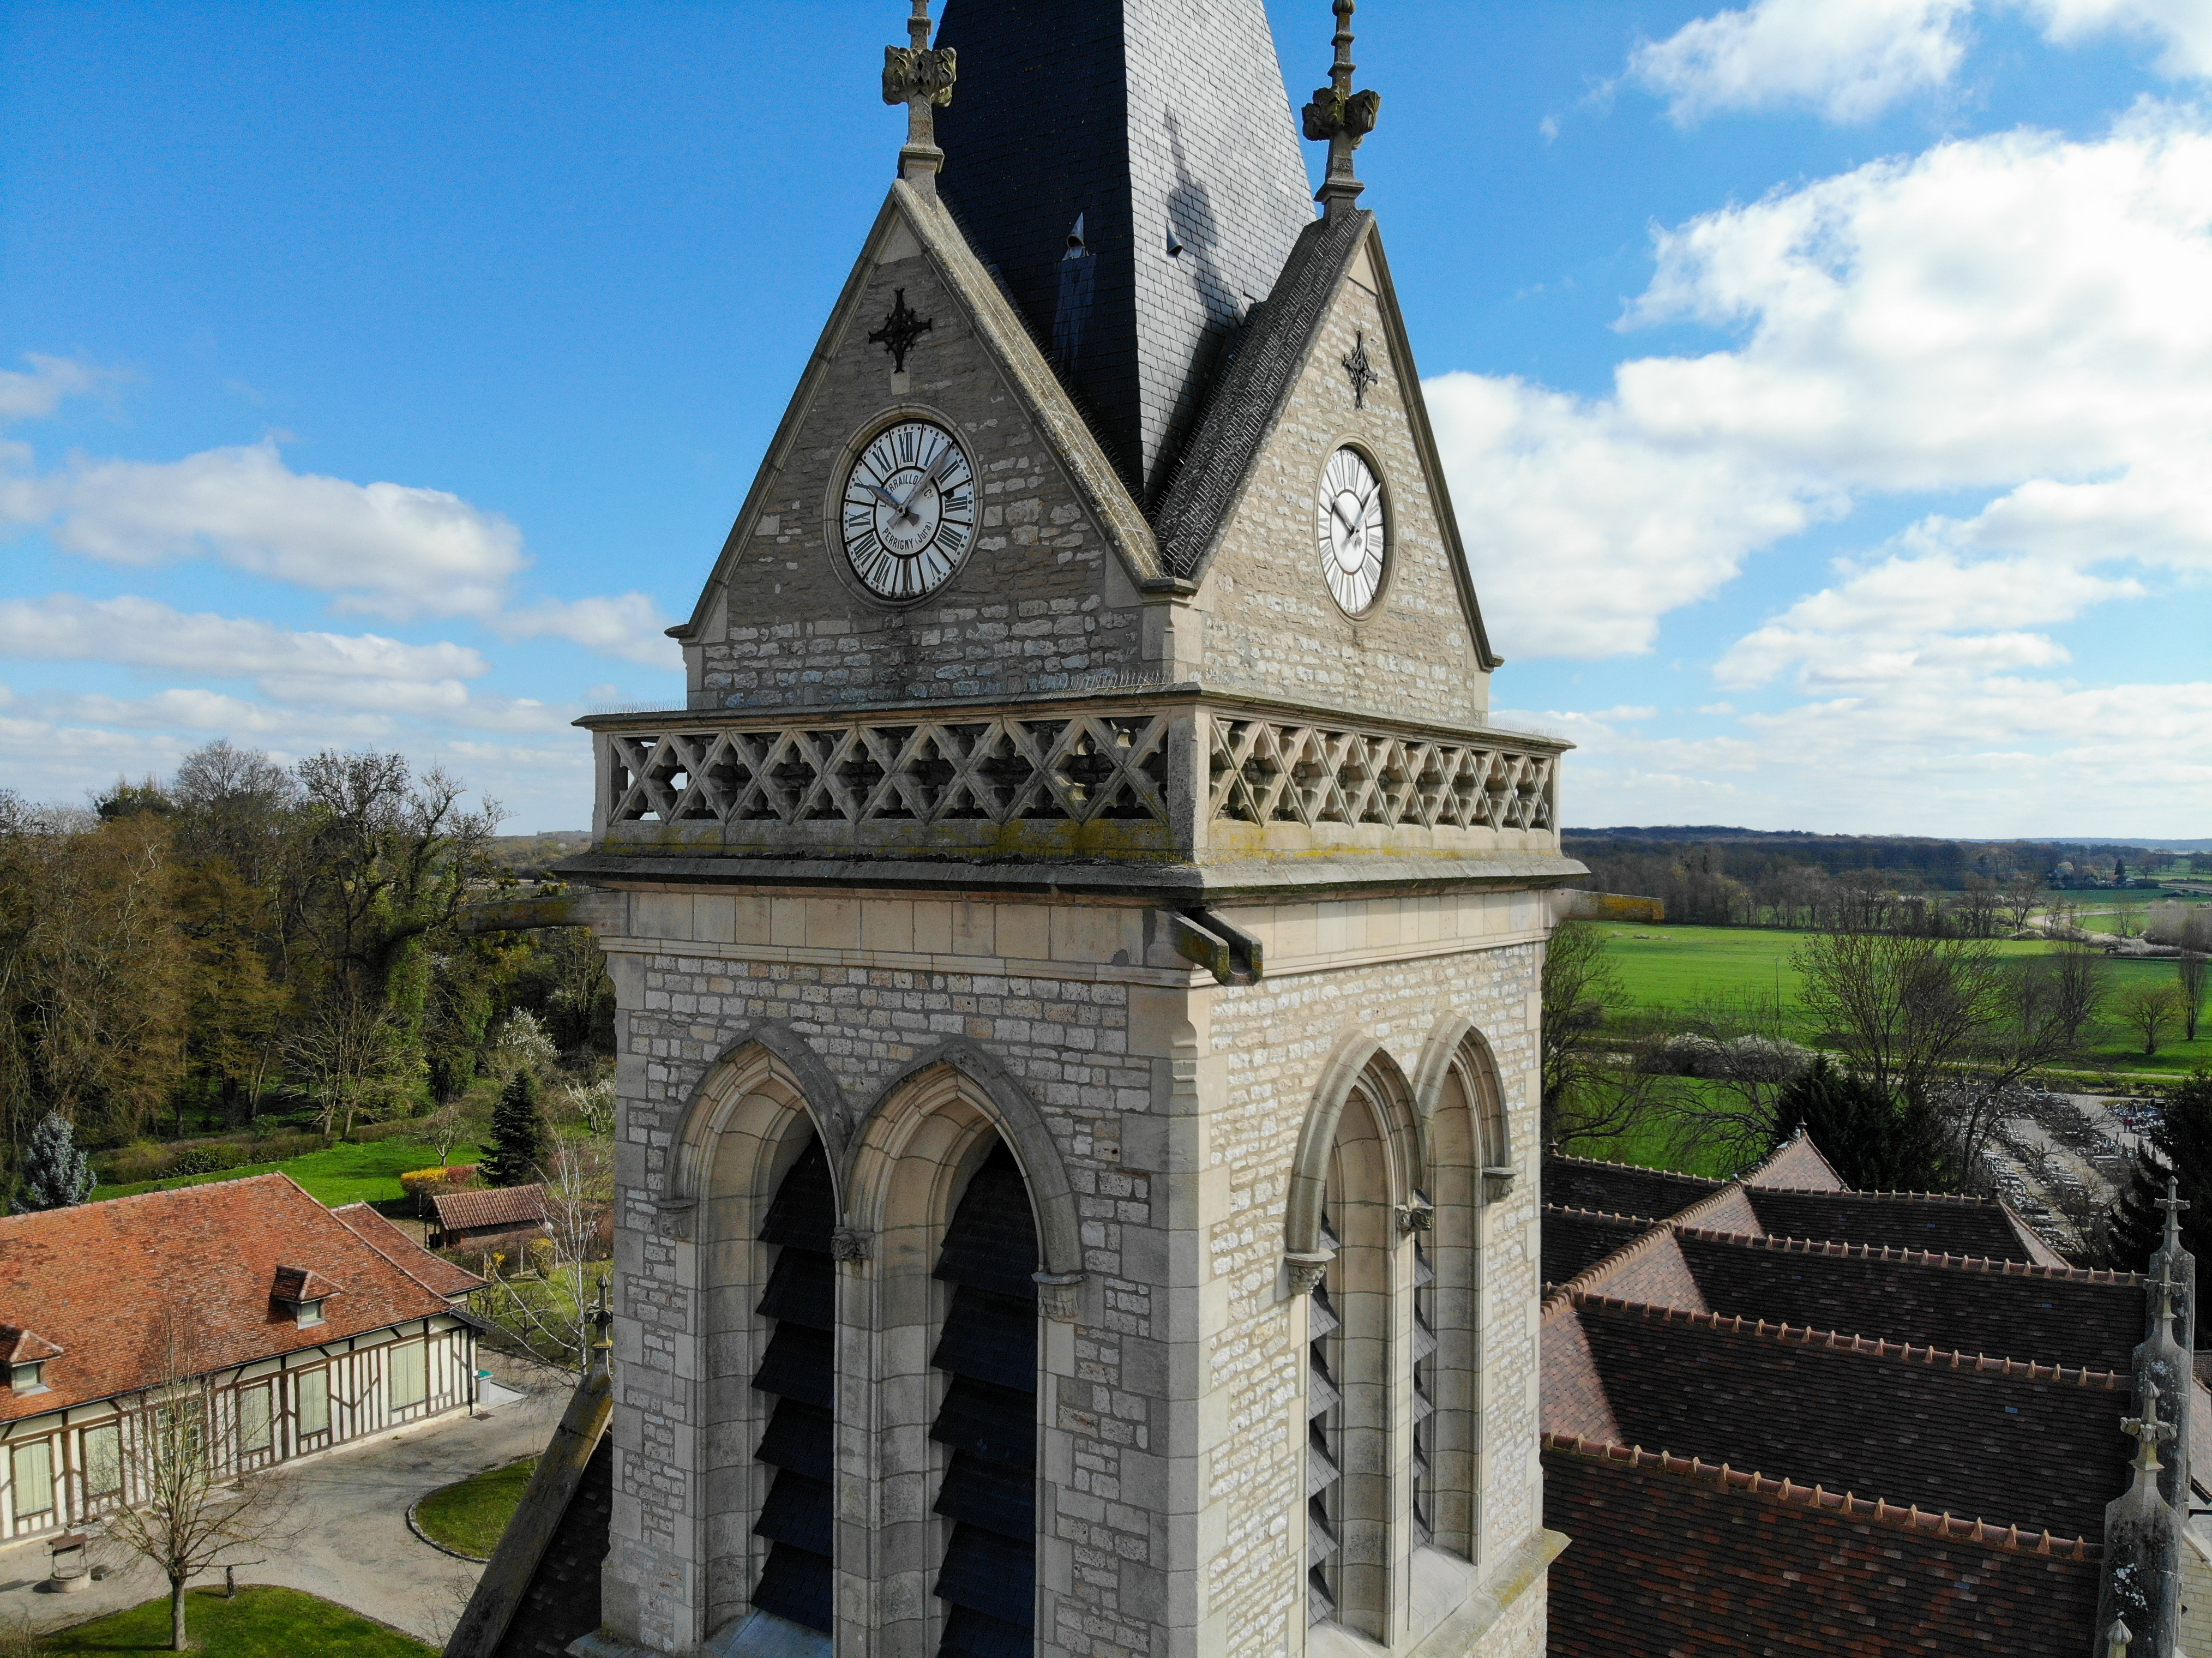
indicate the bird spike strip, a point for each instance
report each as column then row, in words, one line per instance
column 1913, row 1257
column 1849, row 1505
column 1803, row 1335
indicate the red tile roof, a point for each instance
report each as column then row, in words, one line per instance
column 1672, row 1557
column 109, row 1281
column 1798, row 1165
column 501, row 1205
column 2013, row 1442
column 20, row 1346
column 297, row 1283
column 434, row 1272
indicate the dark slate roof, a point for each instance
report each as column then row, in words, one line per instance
column 1671, row 1558
column 2007, row 1309
column 1620, row 1188
column 1903, row 1220
column 1575, row 1240
column 1246, row 406
column 562, row 1602
column 1152, row 119
column 2011, row 1443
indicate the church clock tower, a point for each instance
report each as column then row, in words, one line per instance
column 1077, row 949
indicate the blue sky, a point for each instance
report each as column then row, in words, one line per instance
column 1825, row 384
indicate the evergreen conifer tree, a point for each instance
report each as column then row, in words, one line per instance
column 521, row 1141
column 2181, row 1149
column 1876, row 1141
column 55, row 1173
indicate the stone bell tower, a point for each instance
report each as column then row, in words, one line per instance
column 1078, row 947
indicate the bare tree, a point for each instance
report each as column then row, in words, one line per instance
column 1579, row 983
column 2020, row 893
column 2150, row 1010
column 2195, row 941
column 445, row 1129
column 191, row 1508
column 1902, row 1007
column 346, row 1051
column 548, row 1313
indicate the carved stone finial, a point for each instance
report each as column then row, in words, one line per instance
column 603, row 1319
column 2118, row 1639
column 1305, row 1268
column 1342, row 116
column 2166, row 1287
column 921, row 79
column 850, row 1242
column 2173, row 1204
column 2147, row 1431
column 1059, row 1295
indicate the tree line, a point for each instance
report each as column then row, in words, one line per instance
column 246, row 940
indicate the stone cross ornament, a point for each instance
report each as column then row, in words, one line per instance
column 920, row 78
column 1342, row 116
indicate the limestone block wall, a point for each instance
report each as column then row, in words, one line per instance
column 1173, row 1438
column 1270, row 623
column 1035, row 608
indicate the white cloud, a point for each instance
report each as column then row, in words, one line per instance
column 143, row 633
column 2182, row 28
column 2017, row 313
column 385, row 548
column 1848, row 59
column 631, row 627
column 24, row 397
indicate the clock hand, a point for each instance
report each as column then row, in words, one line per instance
column 931, row 475
column 879, row 489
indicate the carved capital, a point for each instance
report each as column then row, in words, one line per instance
column 850, row 1242
column 675, row 1214
column 1058, row 1294
column 1420, row 1216
column 1496, row 1183
column 1305, row 1268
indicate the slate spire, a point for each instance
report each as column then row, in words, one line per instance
column 1163, row 127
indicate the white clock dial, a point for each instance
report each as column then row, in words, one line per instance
column 908, row 515
column 1349, row 524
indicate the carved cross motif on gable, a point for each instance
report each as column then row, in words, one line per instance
column 1362, row 370
column 901, row 329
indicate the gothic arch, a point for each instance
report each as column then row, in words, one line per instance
column 1458, row 1054
column 1358, row 1059
column 958, row 1069
column 762, row 1059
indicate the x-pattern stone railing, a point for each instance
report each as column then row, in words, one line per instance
column 1265, row 771
column 1001, row 769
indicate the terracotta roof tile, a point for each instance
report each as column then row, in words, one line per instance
column 499, row 1205
column 1620, row 1188
column 1797, row 1164
column 1674, row 1558
column 99, row 1278
column 2016, row 1442
column 1909, row 1220
column 434, row 1272
column 21, row 1346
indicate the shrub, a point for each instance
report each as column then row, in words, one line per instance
column 127, row 1165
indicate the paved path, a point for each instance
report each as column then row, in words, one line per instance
column 354, row 1547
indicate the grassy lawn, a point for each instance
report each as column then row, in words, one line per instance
column 469, row 1516
column 262, row 1623
column 343, row 1173
column 1679, row 967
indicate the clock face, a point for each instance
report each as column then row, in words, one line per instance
column 1350, row 528
column 909, row 511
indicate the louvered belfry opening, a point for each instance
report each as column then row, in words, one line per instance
column 1424, row 1392
column 988, row 1419
column 1324, row 1442
column 800, row 1371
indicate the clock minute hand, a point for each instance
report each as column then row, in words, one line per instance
column 930, row 476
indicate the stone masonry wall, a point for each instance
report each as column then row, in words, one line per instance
column 1271, row 623
column 1079, row 1003
column 1028, row 611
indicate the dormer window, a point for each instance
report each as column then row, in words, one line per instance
column 302, row 1291
column 24, row 1356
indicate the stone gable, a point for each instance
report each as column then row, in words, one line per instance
column 1270, row 622
column 1042, row 603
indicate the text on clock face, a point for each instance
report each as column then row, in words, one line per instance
column 909, row 511
column 1351, row 532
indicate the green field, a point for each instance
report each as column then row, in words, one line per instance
column 343, row 1174
column 468, row 1515
column 261, row 1623
column 1678, row 968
